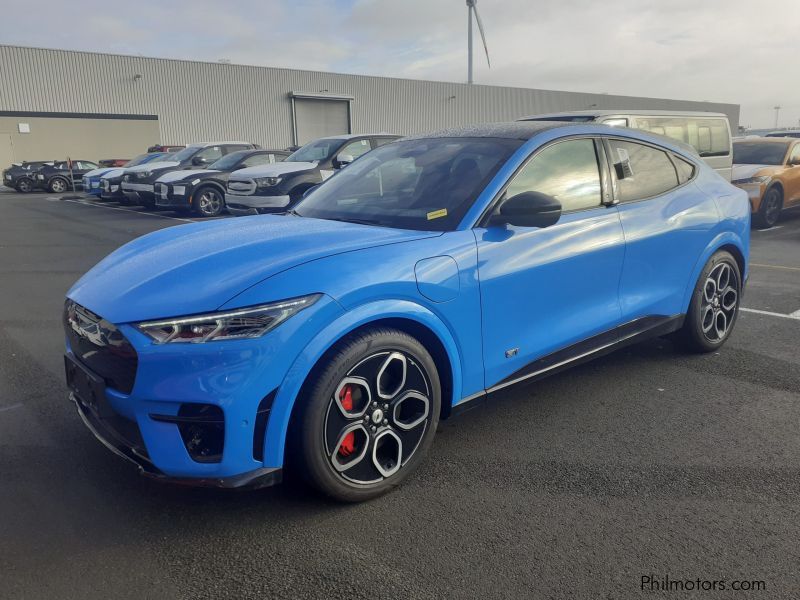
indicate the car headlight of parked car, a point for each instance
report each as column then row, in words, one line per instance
column 760, row 179
column 237, row 324
column 144, row 174
column 267, row 181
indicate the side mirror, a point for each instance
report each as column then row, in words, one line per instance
column 199, row 160
column 794, row 162
column 343, row 160
column 528, row 209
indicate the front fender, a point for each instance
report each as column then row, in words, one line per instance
column 724, row 238
column 275, row 439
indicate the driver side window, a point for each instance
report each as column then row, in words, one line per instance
column 794, row 157
column 356, row 149
column 210, row 154
column 568, row 171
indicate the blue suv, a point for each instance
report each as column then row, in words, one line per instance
column 427, row 275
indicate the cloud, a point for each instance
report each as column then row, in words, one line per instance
column 738, row 51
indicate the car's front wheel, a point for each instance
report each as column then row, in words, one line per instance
column 370, row 415
column 208, row 202
column 770, row 209
column 24, row 185
column 714, row 305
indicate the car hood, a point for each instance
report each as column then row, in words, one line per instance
column 198, row 267
column 98, row 172
column 153, row 166
column 747, row 171
column 178, row 175
column 272, row 170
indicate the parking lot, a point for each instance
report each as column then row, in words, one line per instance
column 646, row 462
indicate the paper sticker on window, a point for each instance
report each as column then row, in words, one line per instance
column 437, row 214
column 623, row 167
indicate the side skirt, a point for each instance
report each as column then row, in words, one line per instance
column 601, row 344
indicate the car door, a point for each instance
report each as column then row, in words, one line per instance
column 667, row 222
column 791, row 177
column 544, row 290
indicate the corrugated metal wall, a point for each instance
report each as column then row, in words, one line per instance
column 207, row 101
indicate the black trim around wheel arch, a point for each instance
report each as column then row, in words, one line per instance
column 604, row 343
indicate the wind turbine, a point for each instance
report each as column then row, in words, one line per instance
column 473, row 9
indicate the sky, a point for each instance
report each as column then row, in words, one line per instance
column 739, row 51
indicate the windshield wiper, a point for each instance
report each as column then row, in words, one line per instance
column 357, row 221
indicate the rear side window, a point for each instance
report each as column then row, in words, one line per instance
column 236, row 148
column 685, row 169
column 642, row 171
column 356, row 149
column 710, row 137
column 567, row 171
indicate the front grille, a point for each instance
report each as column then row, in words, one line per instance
column 242, row 188
column 100, row 347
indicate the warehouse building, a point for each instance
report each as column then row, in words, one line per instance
column 58, row 103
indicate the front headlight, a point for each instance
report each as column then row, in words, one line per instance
column 760, row 179
column 144, row 174
column 267, row 181
column 230, row 325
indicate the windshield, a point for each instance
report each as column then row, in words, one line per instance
column 316, row 151
column 759, row 153
column 142, row 158
column 425, row 184
column 229, row 160
column 183, row 155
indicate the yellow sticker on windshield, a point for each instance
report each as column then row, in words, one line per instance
column 437, row 214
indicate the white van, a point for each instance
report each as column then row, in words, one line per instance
column 708, row 133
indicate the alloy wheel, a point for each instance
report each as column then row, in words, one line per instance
column 24, row 186
column 720, row 302
column 773, row 207
column 210, row 203
column 58, row 186
column 377, row 417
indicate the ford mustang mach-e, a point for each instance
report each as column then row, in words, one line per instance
column 425, row 276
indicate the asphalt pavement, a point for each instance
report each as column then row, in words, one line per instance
column 644, row 463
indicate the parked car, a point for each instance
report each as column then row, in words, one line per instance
column 167, row 149
column 277, row 187
column 61, row 176
column 114, row 162
column 138, row 182
column 421, row 278
column 789, row 133
column 202, row 191
column 92, row 181
column 20, row 175
column 708, row 133
column 768, row 169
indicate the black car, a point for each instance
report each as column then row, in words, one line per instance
column 277, row 187
column 20, row 175
column 62, row 175
column 203, row 191
column 138, row 182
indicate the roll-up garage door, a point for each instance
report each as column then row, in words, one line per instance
column 317, row 118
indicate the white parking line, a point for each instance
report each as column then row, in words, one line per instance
column 136, row 212
column 13, row 406
column 795, row 315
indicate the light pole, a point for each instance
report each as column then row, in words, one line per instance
column 777, row 110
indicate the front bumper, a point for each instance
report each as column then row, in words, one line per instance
column 754, row 193
column 240, row 205
column 111, row 189
column 92, row 186
column 239, row 378
column 172, row 196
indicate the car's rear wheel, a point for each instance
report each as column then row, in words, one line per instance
column 714, row 306
column 58, row 185
column 770, row 209
column 24, row 185
column 208, row 202
column 370, row 415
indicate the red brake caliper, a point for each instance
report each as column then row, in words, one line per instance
column 349, row 443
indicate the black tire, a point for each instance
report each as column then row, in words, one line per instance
column 714, row 294
column 148, row 204
column 384, row 453
column 208, row 201
column 57, row 185
column 770, row 208
column 24, row 185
